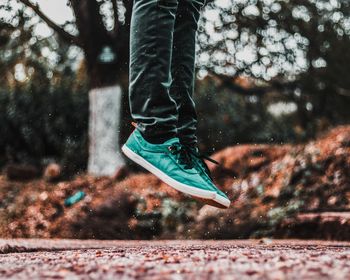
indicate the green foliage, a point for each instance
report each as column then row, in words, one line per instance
column 43, row 104
column 226, row 119
column 298, row 48
column 44, row 123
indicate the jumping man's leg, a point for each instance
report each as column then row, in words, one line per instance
column 182, row 87
column 154, row 144
column 183, row 68
column 151, row 40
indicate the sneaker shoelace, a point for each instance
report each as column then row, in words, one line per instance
column 201, row 158
column 185, row 156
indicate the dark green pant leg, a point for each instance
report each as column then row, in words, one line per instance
column 151, row 41
column 183, row 68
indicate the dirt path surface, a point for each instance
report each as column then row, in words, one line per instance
column 266, row 259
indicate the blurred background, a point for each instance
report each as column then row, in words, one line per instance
column 273, row 102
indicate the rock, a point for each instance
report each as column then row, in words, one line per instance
column 52, row 172
column 21, row 172
column 121, row 173
column 207, row 211
column 265, row 241
column 322, row 225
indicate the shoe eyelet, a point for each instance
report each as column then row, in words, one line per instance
column 171, row 149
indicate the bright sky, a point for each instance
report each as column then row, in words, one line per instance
column 57, row 11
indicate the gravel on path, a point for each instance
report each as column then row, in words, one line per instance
column 245, row 259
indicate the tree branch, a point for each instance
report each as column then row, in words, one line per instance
column 71, row 39
column 92, row 31
column 126, row 26
column 228, row 82
column 115, row 13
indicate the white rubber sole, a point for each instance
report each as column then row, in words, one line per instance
column 173, row 183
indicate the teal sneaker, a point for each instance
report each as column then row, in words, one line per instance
column 170, row 163
column 199, row 163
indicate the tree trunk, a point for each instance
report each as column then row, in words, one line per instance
column 104, row 128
